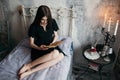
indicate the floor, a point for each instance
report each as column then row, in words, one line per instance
column 85, row 73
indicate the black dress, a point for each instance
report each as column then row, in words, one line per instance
column 42, row 37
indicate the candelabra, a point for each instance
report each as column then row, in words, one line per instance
column 108, row 37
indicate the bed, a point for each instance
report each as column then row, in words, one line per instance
column 20, row 55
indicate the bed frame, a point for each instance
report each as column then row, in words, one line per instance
column 20, row 55
column 65, row 18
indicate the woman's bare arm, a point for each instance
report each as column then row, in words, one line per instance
column 55, row 37
column 33, row 45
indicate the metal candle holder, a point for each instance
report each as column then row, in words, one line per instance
column 108, row 37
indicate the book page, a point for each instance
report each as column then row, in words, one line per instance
column 55, row 44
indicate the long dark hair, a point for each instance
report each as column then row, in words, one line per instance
column 42, row 11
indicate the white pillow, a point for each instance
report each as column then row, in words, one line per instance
column 67, row 45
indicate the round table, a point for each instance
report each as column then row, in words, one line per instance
column 99, row 60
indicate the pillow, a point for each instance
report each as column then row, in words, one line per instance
column 25, row 43
column 67, row 45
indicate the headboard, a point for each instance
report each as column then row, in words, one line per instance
column 65, row 18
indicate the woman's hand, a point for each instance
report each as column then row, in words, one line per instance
column 43, row 47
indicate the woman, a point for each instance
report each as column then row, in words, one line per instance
column 42, row 32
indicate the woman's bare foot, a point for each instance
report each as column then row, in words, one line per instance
column 23, row 75
column 24, row 69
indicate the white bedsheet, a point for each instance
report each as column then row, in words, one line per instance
column 20, row 55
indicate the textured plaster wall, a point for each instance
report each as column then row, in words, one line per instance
column 87, row 29
column 88, row 21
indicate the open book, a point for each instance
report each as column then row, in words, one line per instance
column 55, row 44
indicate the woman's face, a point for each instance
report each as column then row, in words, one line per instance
column 43, row 21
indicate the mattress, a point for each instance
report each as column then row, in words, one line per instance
column 20, row 55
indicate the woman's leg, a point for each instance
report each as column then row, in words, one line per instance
column 43, row 66
column 40, row 60
column 45, row 58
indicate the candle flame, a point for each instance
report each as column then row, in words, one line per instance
column 117, row 21
column 110, row 20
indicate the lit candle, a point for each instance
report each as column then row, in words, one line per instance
column 110, row 20
column 116, row 27
column 105, row 20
